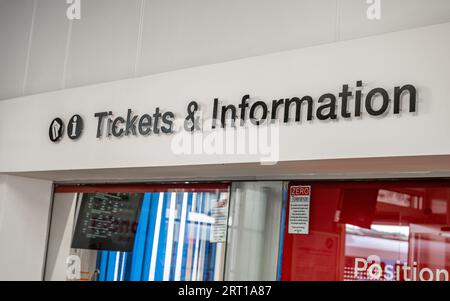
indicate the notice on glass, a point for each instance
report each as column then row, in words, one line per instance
column 107, row 221
column 219, row 214
column 299, row 205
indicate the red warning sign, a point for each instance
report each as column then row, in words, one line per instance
column 300, row 198
column 300, row 190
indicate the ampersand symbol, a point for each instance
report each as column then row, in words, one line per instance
column 191, row 122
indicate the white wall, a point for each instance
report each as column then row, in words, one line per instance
column 60, row 237
column 24, row 217
column 116, row 39
column 380, row 61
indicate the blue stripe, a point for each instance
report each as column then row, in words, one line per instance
column 196, row 228
column 203, row 229
column 139, row 241
column 282, row 225
column 120, row 254
column 212, row 262
column 150, row 236
column 123, row 266
column 128, row 260
column 176, row 233
column 186, row 238
column 136, row 265
column 206, row 254
column 159, row 271
column 207, row 229
column 111, row 266
column 103, row 265
column 210, row 259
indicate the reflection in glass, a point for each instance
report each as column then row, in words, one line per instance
column 180, row 235
column 373, row 231
column 173, row 241
column 254, row 231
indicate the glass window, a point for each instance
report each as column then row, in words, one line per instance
column 381, row 231
column 171, row 234
column 254, row 231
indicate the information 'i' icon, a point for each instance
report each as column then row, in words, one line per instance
column 75, row 127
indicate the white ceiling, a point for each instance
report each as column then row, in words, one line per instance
column 41, row 51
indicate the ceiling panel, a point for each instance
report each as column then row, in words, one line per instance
column 180, row 34
column 15, row 24
column 103, row 42
column 48, row 47
column 395, row 15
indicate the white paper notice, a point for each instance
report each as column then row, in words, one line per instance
column 219, row 227
column 300, row 199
